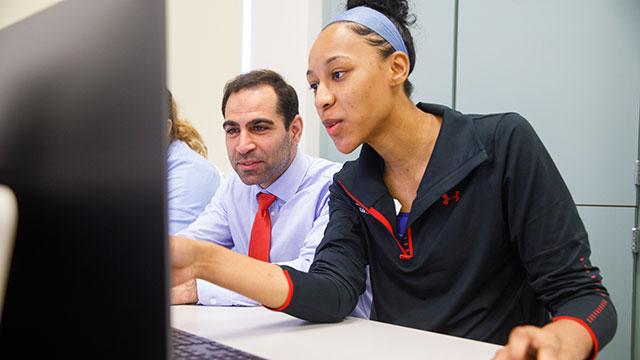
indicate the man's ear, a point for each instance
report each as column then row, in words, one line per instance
column 399, row 68
column 295, row 129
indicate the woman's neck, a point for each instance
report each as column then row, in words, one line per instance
column 406, row 139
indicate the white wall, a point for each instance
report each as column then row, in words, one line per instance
column 12, row 11
column 283, row 32
column 203, row 52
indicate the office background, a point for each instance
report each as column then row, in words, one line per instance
column 571, row 67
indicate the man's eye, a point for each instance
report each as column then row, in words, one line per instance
column 337, row 75
column 231, row 131
column 259, row 128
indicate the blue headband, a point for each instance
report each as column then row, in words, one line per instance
column 375, row 21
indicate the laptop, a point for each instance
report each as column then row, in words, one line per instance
column 83, row 148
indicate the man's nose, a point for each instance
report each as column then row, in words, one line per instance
column 245, row 143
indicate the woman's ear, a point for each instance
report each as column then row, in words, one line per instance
column 399, row 67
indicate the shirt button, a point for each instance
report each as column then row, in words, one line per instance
column 213, row 301
column 273, row 213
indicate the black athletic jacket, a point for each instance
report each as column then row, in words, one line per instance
column 494, row 241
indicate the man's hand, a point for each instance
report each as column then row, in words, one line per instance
column 560, row 340
column 183, row 260
column 185, row 293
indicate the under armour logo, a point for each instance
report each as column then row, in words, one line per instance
column 446, row 198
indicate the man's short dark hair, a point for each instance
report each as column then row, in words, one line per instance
column 287, row 98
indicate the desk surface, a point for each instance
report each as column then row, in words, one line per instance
column 275, row 335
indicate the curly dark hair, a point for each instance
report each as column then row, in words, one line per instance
column 398, row 12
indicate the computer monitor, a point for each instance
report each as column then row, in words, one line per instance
column 82, row 146
column 8, row 219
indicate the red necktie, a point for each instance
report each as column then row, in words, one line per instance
column 260, row 242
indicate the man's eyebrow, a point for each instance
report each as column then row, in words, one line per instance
column 253, row 122
column 229, row 123
column 258, row 121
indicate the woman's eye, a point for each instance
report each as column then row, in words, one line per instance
column 338, row 75
column 313, row 87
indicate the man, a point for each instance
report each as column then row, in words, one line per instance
column 275, row 207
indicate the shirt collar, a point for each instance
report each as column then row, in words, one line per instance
column 288, row 183
column 457, row 143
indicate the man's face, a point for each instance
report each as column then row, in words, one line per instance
column 259, row 147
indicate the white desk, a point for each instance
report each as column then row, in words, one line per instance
column 276, row 335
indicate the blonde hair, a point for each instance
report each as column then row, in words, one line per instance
column 182, row 130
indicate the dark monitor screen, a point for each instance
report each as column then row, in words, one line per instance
column 82, row 145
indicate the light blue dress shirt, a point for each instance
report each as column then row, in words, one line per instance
column 191, row 183
column 299, row 216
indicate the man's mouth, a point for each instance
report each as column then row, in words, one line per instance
column 248, row 165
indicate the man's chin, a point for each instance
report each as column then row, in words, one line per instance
column 249, row 178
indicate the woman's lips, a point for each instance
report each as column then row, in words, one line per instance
column 332, row 126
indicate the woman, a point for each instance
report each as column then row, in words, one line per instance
column 192, row 180
column 486, row 238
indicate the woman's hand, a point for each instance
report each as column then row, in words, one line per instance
column 560, row 340
column 194, row 259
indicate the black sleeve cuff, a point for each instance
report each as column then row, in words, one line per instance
column 596, row 314
column 313, row 298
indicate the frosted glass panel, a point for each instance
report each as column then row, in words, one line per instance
column 573, row 69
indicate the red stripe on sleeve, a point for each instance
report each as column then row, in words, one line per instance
column 289, row 294
column 584, row 325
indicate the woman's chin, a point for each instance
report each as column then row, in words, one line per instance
column 345, row 147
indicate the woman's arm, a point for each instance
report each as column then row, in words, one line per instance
column 553, row 247
column 327, row 293
column 264, row 282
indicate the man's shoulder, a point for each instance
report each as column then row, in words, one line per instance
column 231, row 182
column 321, row 168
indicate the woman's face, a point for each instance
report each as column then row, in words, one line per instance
column 350, row 81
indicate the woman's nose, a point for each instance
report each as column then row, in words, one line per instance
column 324, row 98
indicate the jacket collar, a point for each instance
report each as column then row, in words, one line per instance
column 458, row 150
